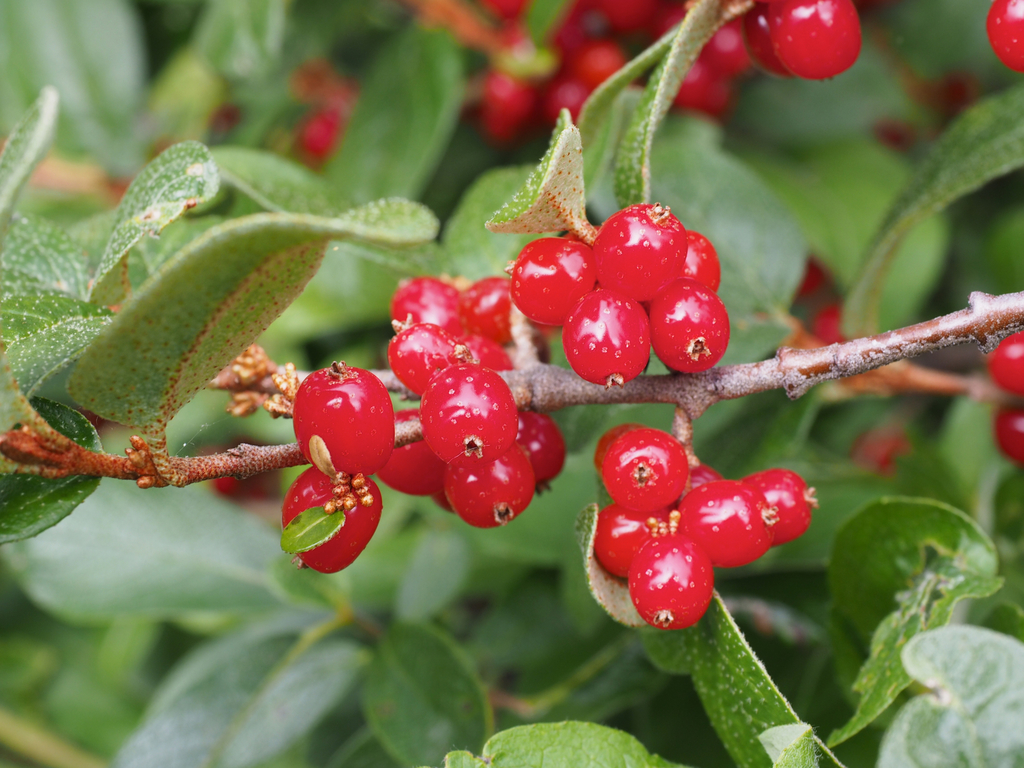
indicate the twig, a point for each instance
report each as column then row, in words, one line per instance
column 462, row 20
column 29, row 740
column 525, row 353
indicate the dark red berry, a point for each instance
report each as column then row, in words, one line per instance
column 759, row 42
column 489, row 494
column 1009, row 428
column 610, row 437
column 792, row 499
column 729, row 520
column 702, row 261
column 564, row 92
column 427, row 300
column 484, row 309
column 689, row 326
column 468, row 415
column 619, row 535
column 725, row 52
column 550, row 276
column 314, row 489
column 1005, row 25
column 442, row 501
column 625, row 17
column 544, row 444
column 418, row 353
column 815, row 39
column 595, row 61
column 705, row 89
column 319, row 132
column 877, row 449
column 490, row 354
column 702, row 474
column 667, row 17
column 350, row 410
column 645, row 470
column 640, row 249
column 607, row 338
column 414, row 468
column 814, row 277
column 671, row 582
column 1006, row 364
column 827, row 324
column 506, row 106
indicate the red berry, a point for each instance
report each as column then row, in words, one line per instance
column 705, row 89
column 313, row 489
column 490, row 354
column 702, row 474
column 506, row 9
column 564, row 92
column 607, row 338
column 1010, row 433
column 814, row 277
column 442, row 501
column 1006, row 364
column 319, row 132
column 640, row 249
column 610, row 437
column 729, row 520
column 827, row 324
column 506, row 106
column 625, row 17
column 619, row 535
column 418, row 353
column 350, row 409
column 878, row 449
column 702, row 261
column 815, row 39
column 489, row 494
column 469, row 416
column 427, row 300
column 759, row 41
column 595, row 61
column 645, row 470
column 668, row 17
column 792, row 499
column 484, row 309
column 1005, row 25
column 689, row 326
column 414, row 468
column 725, row 52
column 671, row 582
column 544, row 444
column 550, row 276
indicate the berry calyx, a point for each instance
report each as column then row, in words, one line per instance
column 350, row 410
column 550, row 276
column 540, row 436
column 469, row 415
column 414, row 468
column 792, row 499
column 417, row 353
column 489, row 494
column 1009, row 428
column 484, row 309
column 314, row 489
column 1005, row 27
column 729, row 520
column 689, row 326
column 610, row 437
column 606, row 338
column 639, row 249
column 645, row 470
column 620, row 533
column 702, row 261
column 815, row 39
column 758, row 40
column 1006, row 364
column 427, row 300
column 671, row 582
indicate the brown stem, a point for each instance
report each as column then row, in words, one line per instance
column 525, row 352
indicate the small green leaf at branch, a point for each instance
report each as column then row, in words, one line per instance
column 610, row 592
column 310, row 529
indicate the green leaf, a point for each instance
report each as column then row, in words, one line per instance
column 241, row 39
column 543, row 18
column 176, row 333
column 970, row 718
column 120, row 554
column 422, row 696
column 180, row 178
column 304, row 586
column 310, row 529
column 553, row 198
column 408, row 106
column 610, row 592
column 985, row 142
column 1007, row 618
column 879, row 566
column 241, row 699
column 633, row 163
column 436, row 575
column 790, row 746
column 39, row 257
column 29, row 504
column 275, row 183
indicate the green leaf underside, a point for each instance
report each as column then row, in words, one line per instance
column 610, row 592
column 422, row 696
column 40, row 257
column 633, row 162
column 310, row 529
column 553, row 197
column 790, row 746
column 29, row 504
column 241, row 38
column 275, row 183
column 176, row 333
column 985, row 142
column 972, row 714
column 879, row 563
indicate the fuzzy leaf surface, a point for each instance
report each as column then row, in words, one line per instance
column 568, row 745
column 275, row 183
column 40, row 257
column 241, row 39
column 790, row 746
column 310, row 529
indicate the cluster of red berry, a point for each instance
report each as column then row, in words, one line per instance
column 330, row 99
column 1005, row 26
column 666, row 540
column 1006, row 367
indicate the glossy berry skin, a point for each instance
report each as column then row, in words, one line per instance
column 413, row 469
column 489, row 494
column 418, row 353
column 671, row 582
column 607, row 338
column 506, row 106
column 640, row 249
column 815, row 39
column 759, row 41
column 1006, row 364
column 619, row 534
column 313, row 489
column 427, row 300
column 702, row 474
column 689, row 326
column 550, row 276
column 1005, row 26
column 468, row 415
column 788, row 493
column 727, row 519
column 490, row 354
column 645, row 470
column 1009, row 427
column 351, row 411
column 725, row 52
column 540, row 436
column 610, row 437
column 705, row 89
column 484, row 308
column 595, row 61
column 702, row 261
